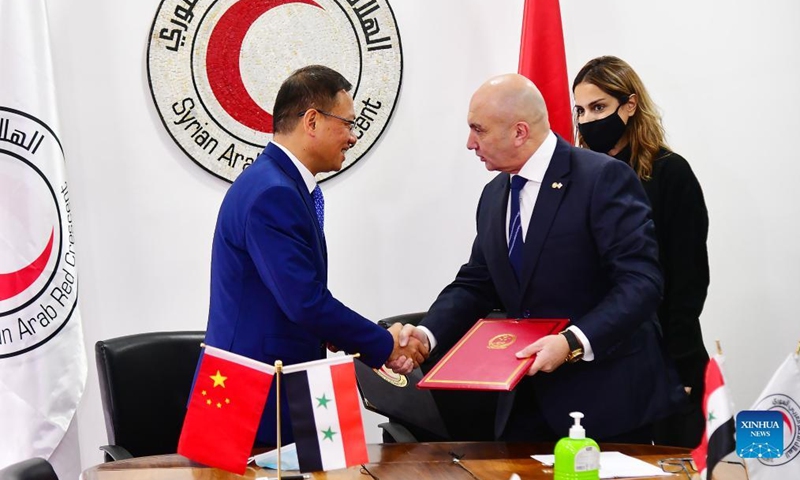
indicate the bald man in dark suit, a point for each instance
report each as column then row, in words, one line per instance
column 580, row 244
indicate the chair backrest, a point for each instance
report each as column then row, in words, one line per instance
column 145, row 381
column 32, row 469
column 412, row 318
column 397, row 396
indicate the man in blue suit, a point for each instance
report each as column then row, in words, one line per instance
column 269, row 278
column 585, row 250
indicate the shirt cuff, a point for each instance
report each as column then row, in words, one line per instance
column 588, row 353
column 431, row 338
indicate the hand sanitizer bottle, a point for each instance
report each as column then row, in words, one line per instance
column 576, row 457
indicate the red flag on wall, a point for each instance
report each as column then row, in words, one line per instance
column 542, row 59
column 224, row 411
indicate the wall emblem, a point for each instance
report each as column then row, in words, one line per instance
column 215, row 66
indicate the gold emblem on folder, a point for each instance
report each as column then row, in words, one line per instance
column 504, row 340
column 394, row 378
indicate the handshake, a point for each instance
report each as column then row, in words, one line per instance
column 411, row 348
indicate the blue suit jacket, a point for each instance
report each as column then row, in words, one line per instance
column 269, row 293
column 590, row 255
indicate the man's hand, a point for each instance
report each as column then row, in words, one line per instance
column 551, row 352
column 411, row 348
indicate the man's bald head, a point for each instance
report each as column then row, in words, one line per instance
column 508, row 122
column 515, row 98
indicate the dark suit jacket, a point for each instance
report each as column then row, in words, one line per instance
column 269, row 294
column 590, row 255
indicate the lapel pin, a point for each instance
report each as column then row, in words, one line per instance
column 557, row 185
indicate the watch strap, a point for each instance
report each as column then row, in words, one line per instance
column 575, row 346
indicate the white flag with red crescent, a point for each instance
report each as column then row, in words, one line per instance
column 42, row 355
column 782, row 394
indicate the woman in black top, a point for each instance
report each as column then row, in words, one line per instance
column 615, row 115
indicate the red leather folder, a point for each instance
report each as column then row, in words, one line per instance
column 484, row 358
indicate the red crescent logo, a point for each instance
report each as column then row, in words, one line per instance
column 14, row 283
column 788, row 422
column 222, row 61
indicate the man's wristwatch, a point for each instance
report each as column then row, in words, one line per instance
column 575, row 347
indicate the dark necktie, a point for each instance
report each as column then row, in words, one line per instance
column 515, row 243
column 319, row 206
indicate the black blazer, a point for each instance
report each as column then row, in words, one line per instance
column 681, row 220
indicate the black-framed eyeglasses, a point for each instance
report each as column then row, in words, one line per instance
column 351, row 124
column 678, row 465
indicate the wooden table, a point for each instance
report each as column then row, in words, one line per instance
column 404, row 461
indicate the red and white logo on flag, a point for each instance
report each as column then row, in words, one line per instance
column 41, row 341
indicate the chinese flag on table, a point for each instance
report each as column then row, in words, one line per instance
column 718, row 440
column 543, row 61
column 326, row 414
column 225, row 407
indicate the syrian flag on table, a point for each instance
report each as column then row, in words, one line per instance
column 718, row 440
column 326, row 414
column 782, row 394
column 228, row 396
column 543, row 60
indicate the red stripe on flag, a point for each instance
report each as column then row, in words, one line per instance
column 714, row 379
column 699, row 455
column 349, row 408
column 543, row 61
column 718, row 442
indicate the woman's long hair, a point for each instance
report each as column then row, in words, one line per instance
column 644, row 133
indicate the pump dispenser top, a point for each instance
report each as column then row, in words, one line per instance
column 577, row 431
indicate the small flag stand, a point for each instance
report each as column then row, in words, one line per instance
column 278, row 374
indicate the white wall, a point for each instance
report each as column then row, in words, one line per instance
column 400, row 222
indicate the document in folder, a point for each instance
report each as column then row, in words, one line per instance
column 484, row 358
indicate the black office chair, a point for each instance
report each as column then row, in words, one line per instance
column 425, row 415
column 145, row 382
column 32, row 469
column 412, row 413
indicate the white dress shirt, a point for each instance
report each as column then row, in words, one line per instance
column 534, row 170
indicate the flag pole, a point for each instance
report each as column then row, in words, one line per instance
column 719, row 347
column 278, row 374
column 797, row 350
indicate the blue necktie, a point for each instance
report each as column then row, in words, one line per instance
column 515, row 243
column 319, row 206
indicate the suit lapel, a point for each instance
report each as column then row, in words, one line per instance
column 554, row 186
column 279, row 157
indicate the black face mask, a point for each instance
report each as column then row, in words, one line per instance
column 601, row 135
